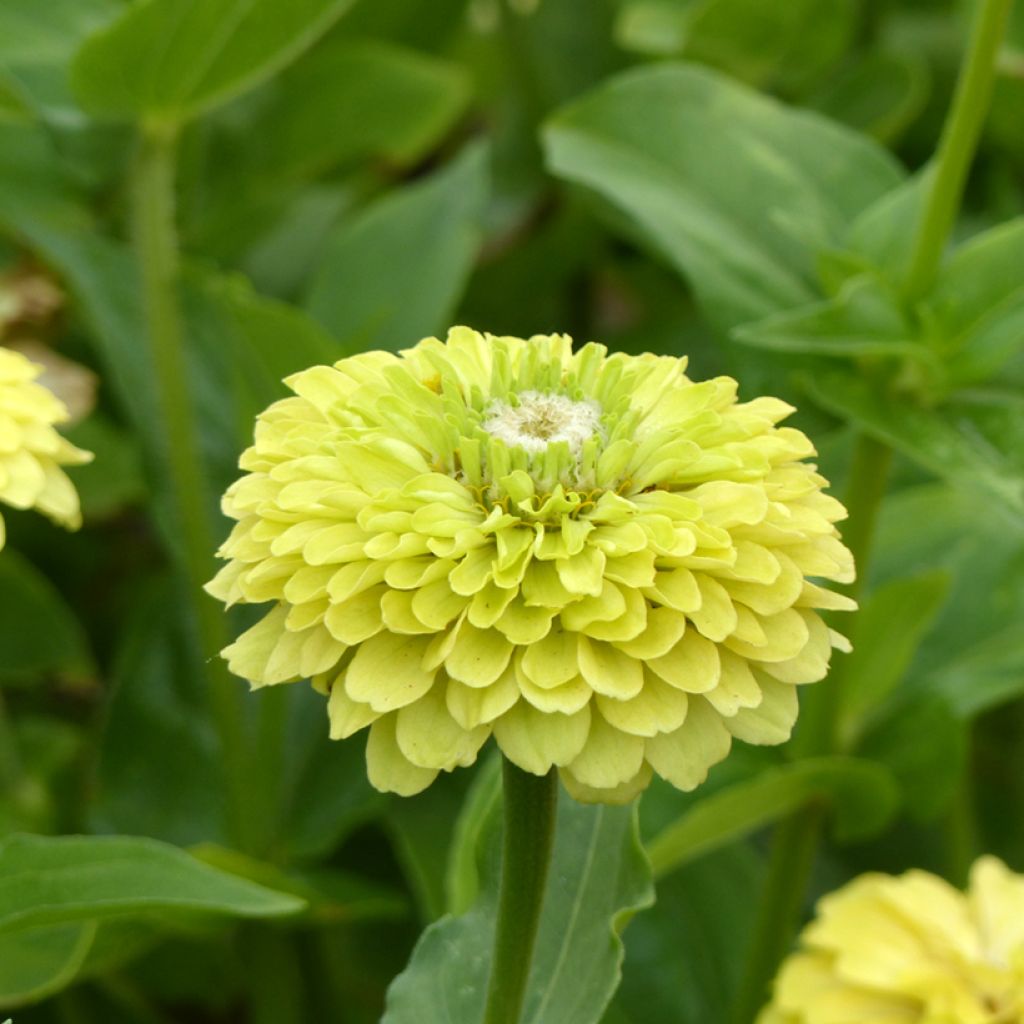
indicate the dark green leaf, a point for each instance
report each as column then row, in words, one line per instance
column 38, row 631
column 864, row 319
column 887, row 632
column 880, row 94
column 599, row 878
column 37, row 962
column 924, row 744
column 64, row 879
column 393, row 274
column 737, row 191
column 171, row 59
column 978, row 303
column 862, row 795
column 975, row 440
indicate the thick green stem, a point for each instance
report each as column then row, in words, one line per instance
column 795, row 843
column 530, row 806
column 959, row 141
column 156, row 247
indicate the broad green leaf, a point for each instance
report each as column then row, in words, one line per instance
column 880, row 94
column 984, row 676
column 38, row 631
column 738, row 192
column 59, row 880
column 759, row 43
column 422, row 832
column 350, row 100
column 924, row 744
column 862, row 795
column 394, row 273
column 36, row 43
column 172, row 59
column 159, row 771
column 886, row 634
column 864, row 319
column 686, row 953
column 36, row 962
column 978, row 303
column 975, row 439
column 599, row 878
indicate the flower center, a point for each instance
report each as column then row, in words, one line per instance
column 539, row 420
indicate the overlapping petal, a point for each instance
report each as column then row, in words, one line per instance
column 596, row 560
column 910, row 950
column 31, row 451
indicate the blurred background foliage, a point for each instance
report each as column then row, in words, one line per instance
column 733, row 180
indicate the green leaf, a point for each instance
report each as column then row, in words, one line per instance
column 38, row 631
column 173, row 59
column 352, row 100
column 157, row 702
column 864, row 319
column 599, row 878
column 880, row 94
column 978, row 303
column 759, row 43
column 686, row 953
column 59, row 880
column 975, row 440
column 394, row 273
column 887, row 632
column 37, row 962
column 862, row 794
column 738, row 192
column 924, row 744
column 984, row 676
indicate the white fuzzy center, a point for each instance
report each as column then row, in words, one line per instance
column 539, row 420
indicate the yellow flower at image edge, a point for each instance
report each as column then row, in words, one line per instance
column 594, row 559
column 910, row 950
column 31, row 451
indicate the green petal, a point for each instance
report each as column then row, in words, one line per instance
column 478, row 656
column 608, row 670
column 683, row 757
column 387, row 768
column 609, row 758
column 387, row 672
column 663, row 630
column 347, row 716
column 693, row 665
column 430, row 737
column 358, row 618
column 658, row 707
column 771, row 722
column 625, row 793
column 471, row 706
column 552, row 660
column 536, row 741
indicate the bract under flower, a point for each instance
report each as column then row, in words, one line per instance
column 910, row 950
column 596, row 560
column 31, row 451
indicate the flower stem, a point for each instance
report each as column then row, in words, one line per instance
column 156, row 247
column 959, row 141
column 530, row 808
column 795, row 843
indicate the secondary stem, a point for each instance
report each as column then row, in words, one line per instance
column 156, row 247
column 530, row 806
column 956, row 148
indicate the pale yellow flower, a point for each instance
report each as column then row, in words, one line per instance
column 590, row 557
column 910, row 950
column 31, row 450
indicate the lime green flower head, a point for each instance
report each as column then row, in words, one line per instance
column 910, row 950
column 588, row 556
column 31, row 451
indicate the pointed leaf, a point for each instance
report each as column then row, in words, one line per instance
column 599, row 878
column 736, row 190
column 171, row 59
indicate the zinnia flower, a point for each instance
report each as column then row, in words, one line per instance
column 31, row 451
column 910, row 950
column 590, row 557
